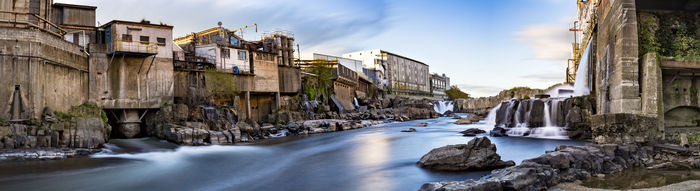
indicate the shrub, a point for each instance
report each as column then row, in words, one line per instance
column 455, row 93
column 220, row 84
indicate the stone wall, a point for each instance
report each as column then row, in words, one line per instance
column 624, row 128
column 46, row 70
column 617, row 78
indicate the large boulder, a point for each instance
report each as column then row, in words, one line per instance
column 477, row 154
column 463, row 121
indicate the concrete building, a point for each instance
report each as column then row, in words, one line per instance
column 404, row 76
column 132, row 71
column 346, row 74
column 281, row 43
column 255, row 67
column 78, row 21
column 438, row 85
column 642, row 83
column 39, row 69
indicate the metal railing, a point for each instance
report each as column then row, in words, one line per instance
column 19, row 19
column 132, row 46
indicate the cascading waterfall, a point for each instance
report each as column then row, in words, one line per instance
column 519, row 123
column 491, row 118
column 581, row 81
column 443, row 106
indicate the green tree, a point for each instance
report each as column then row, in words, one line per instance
column 321, row 82
column 455, row 93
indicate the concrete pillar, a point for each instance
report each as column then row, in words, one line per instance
column 277, row 101
column 652, row 90
column 247, row 104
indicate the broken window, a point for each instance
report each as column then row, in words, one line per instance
column 144, row 39
column 126, row 37
column 76, row 38
column 161, row 41
column 242, row 55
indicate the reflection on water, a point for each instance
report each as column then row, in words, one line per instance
column 374, row 158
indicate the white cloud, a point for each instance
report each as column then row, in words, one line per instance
column 547, row 41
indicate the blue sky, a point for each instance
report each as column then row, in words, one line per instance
column 484, row 46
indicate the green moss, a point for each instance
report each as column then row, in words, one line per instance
column 321, row 84
column 694, row 138
column 647, row 40
column 526, row 97
column 220, row 84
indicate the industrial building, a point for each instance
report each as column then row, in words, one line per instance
column 642, row 80
column 404, row 76
column 438, row 85
column 261, row 70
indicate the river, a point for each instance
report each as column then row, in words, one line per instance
column 373, row 158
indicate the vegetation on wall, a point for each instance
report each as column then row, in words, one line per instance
column 85, row 110
column 220, row 84
column 319, row 86
column 670, row 35
column 455, row 93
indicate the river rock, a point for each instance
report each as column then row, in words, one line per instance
column 463, row 121
column 409, row 130
column 565, row 164
column 422, row 124
column 472, row 132
column 498, row 132
column 477, row 154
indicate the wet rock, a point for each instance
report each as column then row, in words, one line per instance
column 472, row 132
column 456, row 117
column 409, row 130
column 564, row 164
column 498, row 132
column 422, row 124
column 477, row 154
column 180, row 112
column 463, row 121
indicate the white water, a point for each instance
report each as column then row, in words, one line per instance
column 280, row 133
column 357, row 104
column 581, row 81
column 443, row 106
column 521, row 129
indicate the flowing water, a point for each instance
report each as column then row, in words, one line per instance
column 443, row 106
column 372, row 158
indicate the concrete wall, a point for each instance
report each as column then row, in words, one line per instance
column 290, row 80
column 73, row 16
column 345, row 94
column 617, row 54
column 266, row 74
column 50, row 72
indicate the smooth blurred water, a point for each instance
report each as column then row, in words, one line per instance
column 373, row 158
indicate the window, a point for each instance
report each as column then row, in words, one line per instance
column 76, row 38
column 144, row 39
column 126, row 37
column 242, row 55
column 225, row 53
column 161, row 41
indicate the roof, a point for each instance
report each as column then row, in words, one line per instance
column 185, row 39
column 137, row 23
column 74, row 6
column 407, row 58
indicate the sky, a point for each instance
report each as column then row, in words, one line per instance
column 484, row 46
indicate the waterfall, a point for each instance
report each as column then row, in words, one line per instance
column 520, row 115
column 547, row 116
column 581, row 81
column 443, row 106
column 357, row 104
column 491, row 118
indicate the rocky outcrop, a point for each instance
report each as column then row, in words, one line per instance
column 472, row 132
column 483, row 105
column 477, row 154
column 54, row 131
column 565, row 164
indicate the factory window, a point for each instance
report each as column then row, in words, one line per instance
column 161, row 41
column 126, row 37
column 144, row 39
column 225, row 53
column 241, row 55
